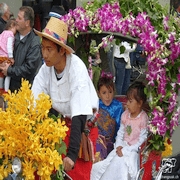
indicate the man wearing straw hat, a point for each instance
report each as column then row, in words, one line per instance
column 65, row 78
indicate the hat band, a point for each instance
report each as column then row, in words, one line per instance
column 54, row 35
column 56, row 15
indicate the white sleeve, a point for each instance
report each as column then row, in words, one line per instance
column 119, row 137
column 10, row 46
column 39, row 84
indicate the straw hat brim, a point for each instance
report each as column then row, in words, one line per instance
column 43, row 34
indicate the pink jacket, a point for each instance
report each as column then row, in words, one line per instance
column 4, row 43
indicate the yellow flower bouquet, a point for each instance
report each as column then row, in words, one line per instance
column 28, row 133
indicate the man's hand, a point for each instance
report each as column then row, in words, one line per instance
column 68, row 164
column 118, row 151
column 3, row 67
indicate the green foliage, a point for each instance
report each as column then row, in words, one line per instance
column 157, row 143
column 61, row 148
column 59, row 174
column 95, row 5
column 122, row 49
column 152, row 7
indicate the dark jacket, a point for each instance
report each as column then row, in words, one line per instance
column 28, row 59
column 2, row 25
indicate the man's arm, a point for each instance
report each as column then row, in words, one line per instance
column 77, row 127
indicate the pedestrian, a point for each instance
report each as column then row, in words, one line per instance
column 64, row 77
column 122, row 66
column 56, row 11
column 27, row 51
column 122, row 161
column 4, row 15
column 6, row 49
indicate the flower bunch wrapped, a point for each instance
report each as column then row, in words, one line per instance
column 159, row 34
column 28, row 133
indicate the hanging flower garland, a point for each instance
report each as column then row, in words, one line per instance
column 163, row 58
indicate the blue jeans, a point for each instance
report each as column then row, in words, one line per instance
column 111, row 61
column 122, row 75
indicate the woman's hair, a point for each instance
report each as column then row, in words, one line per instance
column 106, row 79
column 10, row 23
column 136, row 90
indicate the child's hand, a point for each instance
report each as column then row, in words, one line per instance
column 11, row 61
column 118, row 151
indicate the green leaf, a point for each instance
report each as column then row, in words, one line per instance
column 122, row 49
column 61, row 148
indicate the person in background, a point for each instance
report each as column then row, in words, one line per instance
column 4, row 15
column 138, row 60
column 64, row 77
column 110, row 111
column 56, row 11
column 176, row 6
column 66, row 5
column 6, row 49
column 27, row 51
column 122, row 161
column 122, row 66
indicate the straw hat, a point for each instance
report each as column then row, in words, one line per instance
column 56, row 30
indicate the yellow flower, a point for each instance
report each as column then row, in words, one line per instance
column 168, row 149
column 28, row 133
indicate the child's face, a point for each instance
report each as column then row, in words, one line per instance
column 134, row 107
column 106, row 95
column 13, row 29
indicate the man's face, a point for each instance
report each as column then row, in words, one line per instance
column 7, row 14
column 50, row 53
column 21, row 22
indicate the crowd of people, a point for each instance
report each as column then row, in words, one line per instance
column 52, row 67
column 26, row 50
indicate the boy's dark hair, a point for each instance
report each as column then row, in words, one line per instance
column 136, row 90
column 107, row 81
column 10, row 23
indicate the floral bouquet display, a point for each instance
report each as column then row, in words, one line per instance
column 158, row 32
column 26, row 132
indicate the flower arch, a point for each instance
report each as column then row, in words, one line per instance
column 162, row 45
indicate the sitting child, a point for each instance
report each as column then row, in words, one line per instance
column 110, row 111
column 122, row 162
